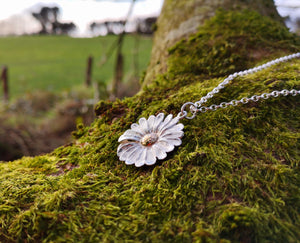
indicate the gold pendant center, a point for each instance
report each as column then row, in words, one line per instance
column 149, row 139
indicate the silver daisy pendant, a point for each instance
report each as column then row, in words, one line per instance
column 150, row 140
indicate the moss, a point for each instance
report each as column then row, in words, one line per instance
column 234, row 179
column 223, row 45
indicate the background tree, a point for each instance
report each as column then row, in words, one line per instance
column 235, row 178
column 146, row 25
column 48, row 17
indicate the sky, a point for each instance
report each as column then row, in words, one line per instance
column 289, row 8
column 83, row 12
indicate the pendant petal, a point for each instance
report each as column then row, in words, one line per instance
column 142, row 159
column 165, row 145
column 158, row 121
column 150, row 157
column 159, row 151
column 123, row 147
column 143, row 125
column 171, row 135
column 130, row 135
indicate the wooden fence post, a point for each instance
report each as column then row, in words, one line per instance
column 4, row 77
column 88, row 76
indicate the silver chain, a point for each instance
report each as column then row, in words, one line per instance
column 197, row 106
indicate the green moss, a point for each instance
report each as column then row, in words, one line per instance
column 230, row 42
column 234, row 179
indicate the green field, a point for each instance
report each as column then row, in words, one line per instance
column 56, row 63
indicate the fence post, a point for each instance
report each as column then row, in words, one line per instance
column 4, row 77
column 88, row 76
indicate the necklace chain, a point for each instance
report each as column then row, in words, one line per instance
column 153, row 138
column 197, row 106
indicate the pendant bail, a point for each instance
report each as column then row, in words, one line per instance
column 192, row 109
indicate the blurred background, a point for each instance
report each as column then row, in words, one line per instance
column 58, row 58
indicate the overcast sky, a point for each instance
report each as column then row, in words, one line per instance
column 83, row 12
column 81, row 8
column 85, row 9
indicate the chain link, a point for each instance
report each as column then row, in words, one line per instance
column 246, row 100
column 193, row 108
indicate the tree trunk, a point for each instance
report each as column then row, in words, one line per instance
column 234, row 178
column 179, row 19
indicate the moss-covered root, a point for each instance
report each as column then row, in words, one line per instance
column 234, row 179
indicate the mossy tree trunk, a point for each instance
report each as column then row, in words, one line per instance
column 179, row 19
column 235, row 178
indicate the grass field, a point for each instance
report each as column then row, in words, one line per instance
column 56, row 63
